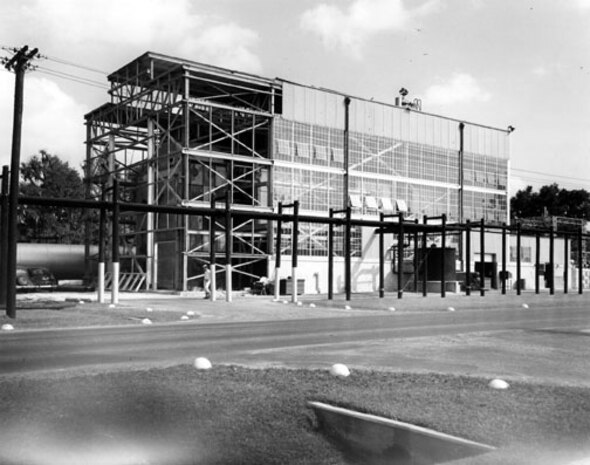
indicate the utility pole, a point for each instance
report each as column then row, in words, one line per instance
column 19, row 63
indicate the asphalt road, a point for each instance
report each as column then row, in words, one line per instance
column 312, row 342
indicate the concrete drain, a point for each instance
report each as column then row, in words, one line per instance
column 372, row 440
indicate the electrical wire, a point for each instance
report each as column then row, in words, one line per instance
column 75, row 65
column 551, row 175
column 71, row 77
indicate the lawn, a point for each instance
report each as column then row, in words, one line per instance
column 236, row 415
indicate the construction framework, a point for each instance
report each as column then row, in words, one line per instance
column 181, row 133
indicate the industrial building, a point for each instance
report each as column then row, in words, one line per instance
column 176, row 132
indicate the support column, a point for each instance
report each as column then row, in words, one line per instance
column 580, row 264
column 400, row 257
column 101, row 254
column 518, row 262
column 115, row 245
column 443, row 281
column 566, row 263
column 424, row 258
column 212, row 258
column 278, row 252
column 294, row 251
column 150, row 282
column 228, row 249
column 537, row 261
column 331, row 257
column 381, row 256
column 504, row 274
column 468, row 258
column 482, row 249
column 4, row 237
column 416, row 264
column 347, row 252
column 552, row 260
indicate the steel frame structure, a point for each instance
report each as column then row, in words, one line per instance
column 177, row 133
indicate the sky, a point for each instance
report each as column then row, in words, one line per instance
column 524, row 63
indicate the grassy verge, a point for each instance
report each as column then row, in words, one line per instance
column 232, row 415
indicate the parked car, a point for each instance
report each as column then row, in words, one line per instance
column 34, row 278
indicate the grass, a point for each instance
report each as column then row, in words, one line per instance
column 235, row 415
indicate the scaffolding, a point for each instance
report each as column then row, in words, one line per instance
column 181, row 133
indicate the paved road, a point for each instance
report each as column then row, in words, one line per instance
column 314, row 341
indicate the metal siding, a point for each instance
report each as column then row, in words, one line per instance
column 313, row 106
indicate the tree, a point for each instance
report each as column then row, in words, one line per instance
column 46, row 175
column 552, row 201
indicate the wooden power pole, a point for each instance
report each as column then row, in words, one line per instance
column 19, row 63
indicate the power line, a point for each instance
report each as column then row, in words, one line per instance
column 75, row 65
column 72, row 77
column 551, row 175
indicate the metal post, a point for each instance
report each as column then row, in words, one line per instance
column 482, row 244
column 504, row 274
column 416, row 257
column 551, row 261
column 101, row 253
column 331, row 257
column 278, row 252
column 212, row 257
column 580, row 264
column 346, row 154
column 115, row 245
column 294, row 250
column 461, row 170
column 443, row 281
column 347, row 252
column 424, row 259
column 149, row 237
column 566, row 262
column 382, row 257
column 3, row 237
column 518, row 263
column 228, row 249
column 468, row 258
column 400, row 257
column 537, row 261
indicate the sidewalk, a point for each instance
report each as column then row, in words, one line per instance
column 169, row 307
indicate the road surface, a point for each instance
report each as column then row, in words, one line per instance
column 508, row 337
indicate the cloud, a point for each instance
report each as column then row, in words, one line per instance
column 113, row 27
column 52, row 120
column 227, row 44
column 350, row 29
column 460, row 88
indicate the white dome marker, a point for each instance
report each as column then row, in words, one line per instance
column 391, row 309
column 149, row 309
column 450, row 309
column 7, row 327
column 190, row 313
column 146, row 321
column 201, row 363
column 340, row 370
column 311, row 305
column 347, row 307
column 184, row 318
column 525, row 306
column 498, row 384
